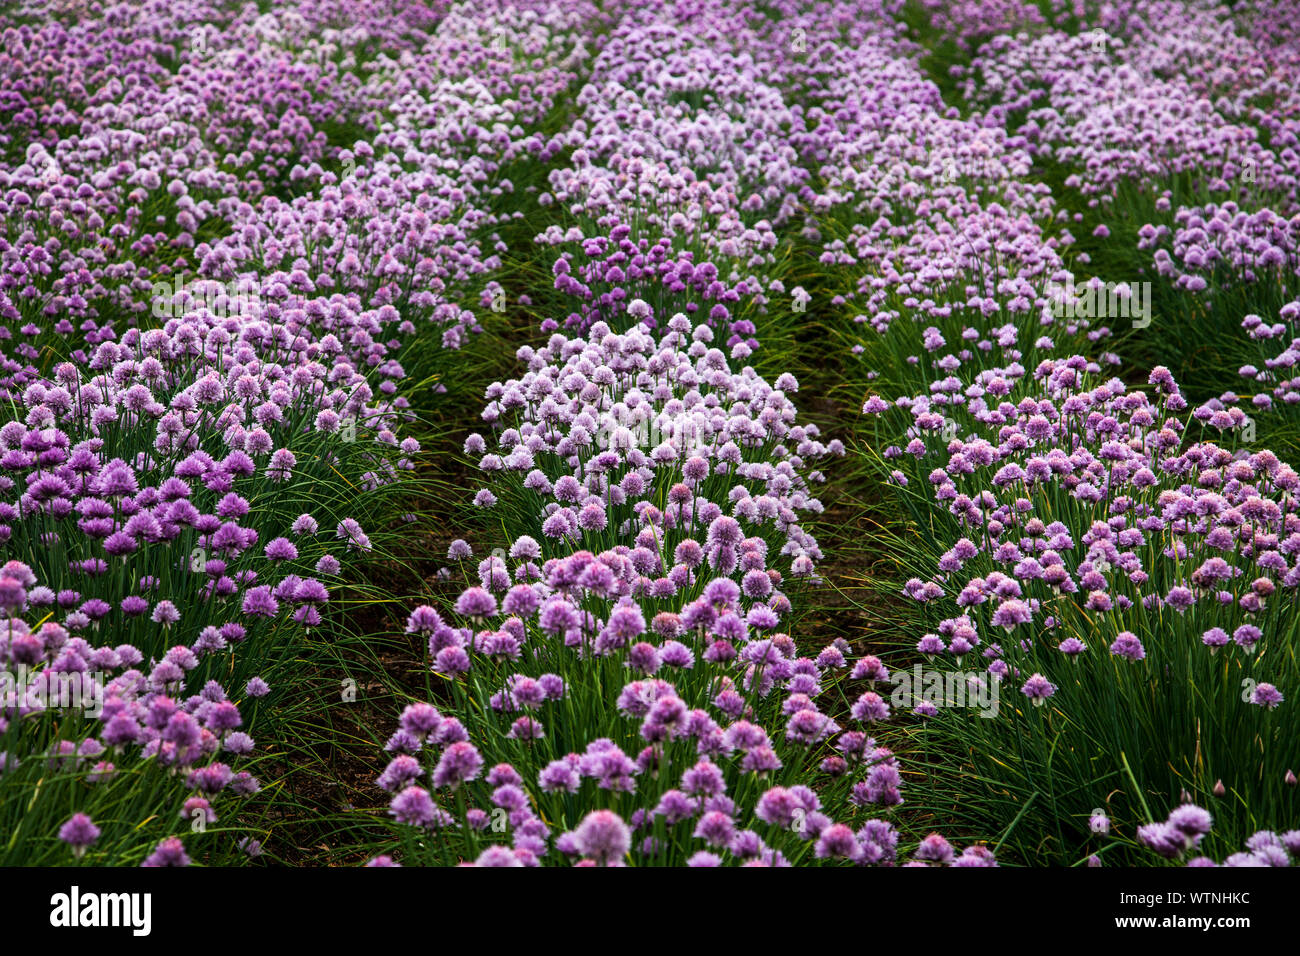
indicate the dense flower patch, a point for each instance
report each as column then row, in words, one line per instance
column 203, row 374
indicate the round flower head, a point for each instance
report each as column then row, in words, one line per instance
column 1214, row 638
column 602, row 836
column 1162, row 838
column 79, row 833
column 414, row 806
column 1127, row 645
column 936, row 849
column 476, row 604
column 169, row 852
column 1191, row 821
column 1038, row 688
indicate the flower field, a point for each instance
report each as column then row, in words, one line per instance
column 719, row 433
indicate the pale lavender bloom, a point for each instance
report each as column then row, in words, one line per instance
column 603, row 836
column 79, row 833
column 1266, row 695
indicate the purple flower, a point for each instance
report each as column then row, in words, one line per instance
column 777, row 807
column 1247, row 636
column 870, row 707
column 715, row 828
column 603, row 837
column 415, row 806
column 1163, row 838
column 350, row 531
column 1012, row 613
column 259, row 602
column 1214, row 639
column 837, row 841
column 476, row 604
column 1266, row 695
column 934, row 848
column 169, row 852
column 79, row 833
column 460, row 763
column 1127, row 645
column 281, row 549
column 1038, row 688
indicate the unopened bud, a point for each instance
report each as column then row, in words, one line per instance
column 1219, row 789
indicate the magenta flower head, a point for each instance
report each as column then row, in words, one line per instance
column 460, row 762
column 935, row 849
column 495, row 856
column 1072, row 647
column 715, row 828
column 644, row 657
column 259, row 602
column 870, row 707
column 778, row 807
column 1247, row 636
column 1012, row 613
column 414, row 806
column 602, row 836
column 350, row 531
column 838, row 841
column 1038, row 688
column 1162, row 838
column 1191, row 821
column 1214, row 638
column 476, row 604
column 79, row 833
column 870, row 669
column 169, row 852
column 1128, row 646
column 1266, row 695
column 975, row 856
column 12, row 594
column 281, row 549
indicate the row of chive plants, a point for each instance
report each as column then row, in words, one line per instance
column 208, row 285
column 622, row 685
column 1109, row 563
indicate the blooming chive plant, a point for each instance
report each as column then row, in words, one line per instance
column 620, row 688
column 203, row 321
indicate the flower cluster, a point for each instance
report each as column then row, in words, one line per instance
column 655, row 495
column 107, row 715
column 205, row 291
column 1188, row 825
column 1099, row 548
